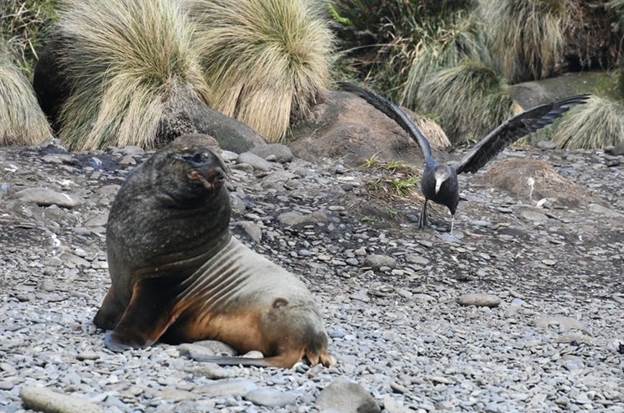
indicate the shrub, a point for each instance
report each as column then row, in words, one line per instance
column 125, row 59
column 266, row 61
column 24, row 23
column 384, row 38
column 21, row 120
column 597, row 124
column 528, row 36
column 445, row 48
column 468, row 100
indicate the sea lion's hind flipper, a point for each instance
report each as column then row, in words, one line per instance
column 150, row 312
column 324, row 358
column 284, row 361
column 109, row 313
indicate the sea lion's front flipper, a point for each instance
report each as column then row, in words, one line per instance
column 109, row 313
column 148, row 315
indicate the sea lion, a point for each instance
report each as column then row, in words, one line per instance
column 178, row 275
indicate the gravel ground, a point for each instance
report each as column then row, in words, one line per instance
column 545, row 335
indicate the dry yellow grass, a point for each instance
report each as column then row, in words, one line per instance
column 528, row 36
column 125, row 59
column 21, row 120
column 469, row 100
column 266, row 61
column 597, row 124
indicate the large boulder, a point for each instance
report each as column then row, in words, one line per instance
column 530, row 94
column 346, row 127
column 186, row 113
column 517, row 176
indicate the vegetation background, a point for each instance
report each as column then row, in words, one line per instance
column 453, row 60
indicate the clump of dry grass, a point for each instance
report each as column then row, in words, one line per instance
column 23, row 24
column 469, row 100
column 444, row 48
column 21, row 120
column 125, row 59
column 528, row 36
column 266, row 61
column 597, row 124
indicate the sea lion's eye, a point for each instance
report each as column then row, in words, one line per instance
column 194, row 158
column 197, row 157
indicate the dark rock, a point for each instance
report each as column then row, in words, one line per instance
column 185, row 114
column 617, row 150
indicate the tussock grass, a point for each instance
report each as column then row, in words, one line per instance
column 21, row 120
column 386, row 39
column 24, row 23
column 266, row 61
column 444, row 48
column 528, row 36
column 618, row 7
column 597, row 124
column 125, row 59
column 468, row 100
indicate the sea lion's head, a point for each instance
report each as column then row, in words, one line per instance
column 190, row 173
column 203, row 169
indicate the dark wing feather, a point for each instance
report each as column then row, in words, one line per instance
column 392, row 111
column 514, row 129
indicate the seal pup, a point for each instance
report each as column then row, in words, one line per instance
column 178, row 275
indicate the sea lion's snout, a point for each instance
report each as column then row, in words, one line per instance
column 212, row 179
column 216, row 177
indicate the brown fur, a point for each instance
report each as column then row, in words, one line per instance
column 178, row 276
